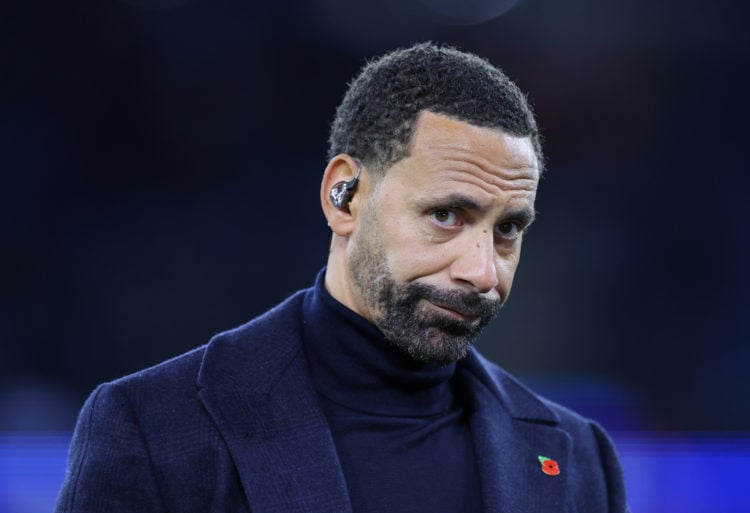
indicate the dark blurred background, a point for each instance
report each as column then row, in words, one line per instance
column 161, row 160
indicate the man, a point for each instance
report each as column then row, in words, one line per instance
column 363, row 393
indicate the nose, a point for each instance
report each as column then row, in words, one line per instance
column 476, row 264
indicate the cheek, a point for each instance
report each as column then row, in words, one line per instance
column 409, row 250
column 409, row 259
column 506, row 265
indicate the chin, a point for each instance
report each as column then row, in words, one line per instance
column 437, row 348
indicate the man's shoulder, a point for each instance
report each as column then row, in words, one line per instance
column 521, row 401
column 586, row 449
column 245, row 341
column 527, row 406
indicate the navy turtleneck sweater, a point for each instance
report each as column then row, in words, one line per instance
column 400, row 427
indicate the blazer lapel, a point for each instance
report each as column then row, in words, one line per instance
column 511, row 429
column 254, row 383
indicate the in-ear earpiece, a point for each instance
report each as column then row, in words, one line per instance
column 341, row 193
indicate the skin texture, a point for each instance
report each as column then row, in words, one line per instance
column 428, row 250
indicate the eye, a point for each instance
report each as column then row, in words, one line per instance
column 509, row 229
column 445, row 217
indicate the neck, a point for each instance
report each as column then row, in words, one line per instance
column 353, row 364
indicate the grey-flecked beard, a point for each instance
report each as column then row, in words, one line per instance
column 400, row 311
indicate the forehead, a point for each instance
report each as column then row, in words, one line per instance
column 448, row 154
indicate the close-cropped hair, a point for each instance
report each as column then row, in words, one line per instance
column 377, row 116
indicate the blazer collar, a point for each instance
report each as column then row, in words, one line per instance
column 255, row 385
column 512, row 427
column 514, row 398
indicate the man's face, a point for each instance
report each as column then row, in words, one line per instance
column 432, row 257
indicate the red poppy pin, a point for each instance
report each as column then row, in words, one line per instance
column 549, row 466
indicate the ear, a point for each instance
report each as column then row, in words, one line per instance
column 341, row 168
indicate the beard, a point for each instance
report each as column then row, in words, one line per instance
column 401, row 313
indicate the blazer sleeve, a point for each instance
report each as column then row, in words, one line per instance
column 612, row 470
column 109, row 467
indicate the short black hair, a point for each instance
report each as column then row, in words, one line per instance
column 377, row 116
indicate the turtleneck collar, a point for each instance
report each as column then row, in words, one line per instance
column 355, row 366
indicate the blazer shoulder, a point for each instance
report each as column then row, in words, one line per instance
column 273, row 321
column 523, row 402
column 253, row 356
column 590, row 443
column 174, row 369
column 182, row 371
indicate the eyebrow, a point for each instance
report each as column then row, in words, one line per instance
column 455, row 200
column 524, row 215
column 451, row 200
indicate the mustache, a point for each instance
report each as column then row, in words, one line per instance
column 467, row 303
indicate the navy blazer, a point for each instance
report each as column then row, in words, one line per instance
column 235, row 426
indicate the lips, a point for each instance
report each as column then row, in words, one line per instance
column 459, row 312
column 456, row 307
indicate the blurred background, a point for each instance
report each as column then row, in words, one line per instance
column 160, row 164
